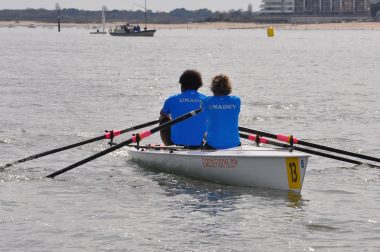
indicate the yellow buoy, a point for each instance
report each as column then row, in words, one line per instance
column 270, row 31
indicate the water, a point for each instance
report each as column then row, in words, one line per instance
column 62, row 88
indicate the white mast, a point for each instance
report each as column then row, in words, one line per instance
column 104, row 17
column 145, row 17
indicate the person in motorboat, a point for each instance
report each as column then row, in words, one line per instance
column 188, row 133
column 222, row 113
column 136, row 28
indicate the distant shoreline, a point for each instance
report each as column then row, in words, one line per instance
column 213, row 25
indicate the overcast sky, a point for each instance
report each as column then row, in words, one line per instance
column 155, row 5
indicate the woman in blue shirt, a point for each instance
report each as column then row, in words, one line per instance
column 222, row 113
column 190, row 132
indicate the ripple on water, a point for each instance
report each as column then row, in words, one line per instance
column 301, row 82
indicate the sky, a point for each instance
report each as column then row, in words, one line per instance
column 155, row 5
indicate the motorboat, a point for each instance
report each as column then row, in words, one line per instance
column 133, row 31
column 129, row 30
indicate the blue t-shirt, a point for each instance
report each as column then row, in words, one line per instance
column 222, row 114
column 190, row 131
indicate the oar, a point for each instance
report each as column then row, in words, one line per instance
column 285, row 139
column 133, row 139
column 107, row 135
column 322, row 154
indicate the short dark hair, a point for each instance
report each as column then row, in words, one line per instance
column 221, row 85
column 191, row 80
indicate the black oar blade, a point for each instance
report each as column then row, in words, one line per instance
column 42, row 154
column 309, row 151
column 312, row 145
column 86, row 160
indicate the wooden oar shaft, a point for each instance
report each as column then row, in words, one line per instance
column 313, row 145
column 105, row 136
column 314, row 152
column 135, row 138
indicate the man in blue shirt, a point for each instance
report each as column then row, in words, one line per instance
column 189, row 132
column 222, row 112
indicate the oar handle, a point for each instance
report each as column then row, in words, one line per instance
column 284, row 138
column 134, row 138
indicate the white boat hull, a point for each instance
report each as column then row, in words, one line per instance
column 242, row 166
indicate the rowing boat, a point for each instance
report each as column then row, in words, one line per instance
column 274, row 168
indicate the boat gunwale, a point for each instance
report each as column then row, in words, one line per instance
column 221, row 153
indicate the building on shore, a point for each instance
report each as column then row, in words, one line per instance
column 375, row 9
column 314, row 11
column 277, row 6
column 315, row 6
column 331, row 6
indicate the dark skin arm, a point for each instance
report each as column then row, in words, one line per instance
column 165, row 133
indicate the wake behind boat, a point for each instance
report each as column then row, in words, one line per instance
column 240, row 166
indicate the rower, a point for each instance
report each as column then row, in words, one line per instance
column 190, row 132
column 222, row 112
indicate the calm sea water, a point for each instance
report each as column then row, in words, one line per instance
column 62, row 88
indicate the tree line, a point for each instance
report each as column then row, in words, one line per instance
column 180, row 15
column 85, row 16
